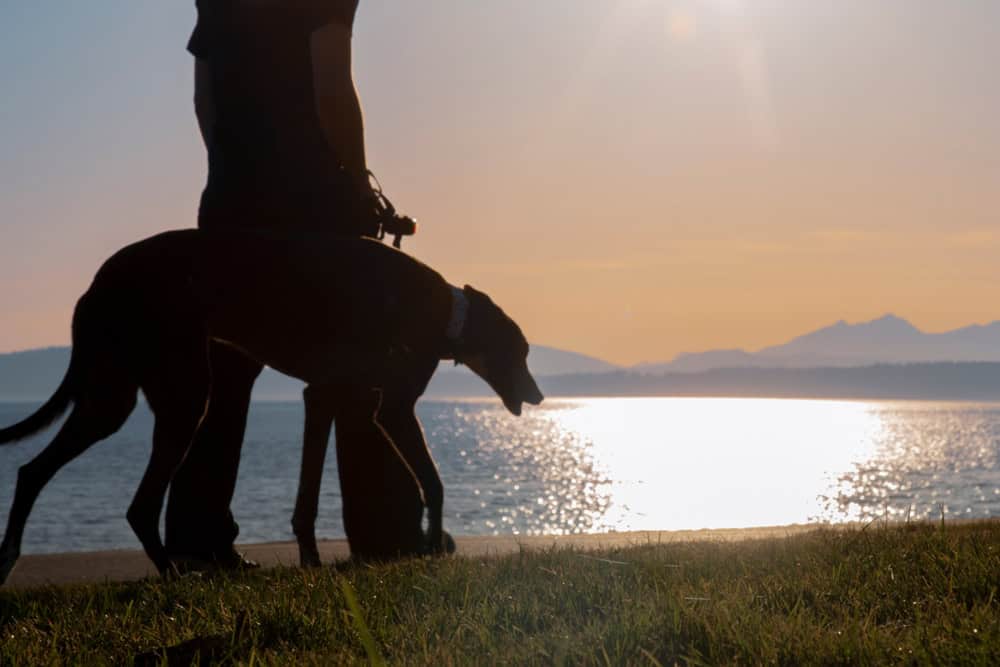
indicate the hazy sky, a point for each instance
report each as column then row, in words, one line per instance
column 627, row 178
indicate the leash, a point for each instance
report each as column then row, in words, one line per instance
column 389, row 222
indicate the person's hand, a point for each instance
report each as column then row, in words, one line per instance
column 365, row 191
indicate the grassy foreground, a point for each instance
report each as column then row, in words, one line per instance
column 914, row 594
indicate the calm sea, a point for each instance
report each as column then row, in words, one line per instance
column 582, row 466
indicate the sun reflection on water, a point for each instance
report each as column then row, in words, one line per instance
column 672, row 463
column 696, row 462
column 589, row 465
column 929, row 461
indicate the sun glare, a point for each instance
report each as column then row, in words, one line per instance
column 675, row 463
column 682, row 25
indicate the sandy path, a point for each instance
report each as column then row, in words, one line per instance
column 101, row 566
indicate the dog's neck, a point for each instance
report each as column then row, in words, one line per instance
column 459, row 314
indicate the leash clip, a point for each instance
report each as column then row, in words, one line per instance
column 389, row 222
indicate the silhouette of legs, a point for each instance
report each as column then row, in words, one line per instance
column 319, row 422
column 199, row 523
column 382, row 503
column 100, row 412
column 397, row 415
column 177, row 389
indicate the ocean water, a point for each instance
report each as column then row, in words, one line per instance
column 578, row 466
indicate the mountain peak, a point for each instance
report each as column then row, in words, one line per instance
column 894, row 322
column 886, row 330
column 891, row 317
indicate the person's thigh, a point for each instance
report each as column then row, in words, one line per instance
column 220, row 434
column 198, row 517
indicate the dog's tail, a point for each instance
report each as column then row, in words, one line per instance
column 45, row 415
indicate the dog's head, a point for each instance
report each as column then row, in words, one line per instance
column 494, row 348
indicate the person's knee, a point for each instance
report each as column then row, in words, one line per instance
column 232, row 387
column 227, row 361
column 356, row 404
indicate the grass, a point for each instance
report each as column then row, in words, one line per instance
column 880, row 595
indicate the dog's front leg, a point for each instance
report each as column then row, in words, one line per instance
column 399, row 420
column 319, row 422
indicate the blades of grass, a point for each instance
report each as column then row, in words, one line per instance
column 374, row 657
column 652, row 658
column 603, row 560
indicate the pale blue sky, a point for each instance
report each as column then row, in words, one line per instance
column 630, row 178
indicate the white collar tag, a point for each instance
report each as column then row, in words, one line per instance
column 459, row 312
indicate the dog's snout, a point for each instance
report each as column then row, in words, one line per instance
column 535, row 398
column 530, row 393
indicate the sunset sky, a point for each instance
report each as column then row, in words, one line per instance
column 629, row 179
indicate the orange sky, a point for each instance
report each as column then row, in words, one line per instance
column 628, row 178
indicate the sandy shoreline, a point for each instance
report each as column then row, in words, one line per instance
column 129, row 565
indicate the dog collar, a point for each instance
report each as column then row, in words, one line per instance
column 459, row 313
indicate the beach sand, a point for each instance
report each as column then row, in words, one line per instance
column 129, row 565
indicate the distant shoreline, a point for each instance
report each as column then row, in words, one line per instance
column 944, row 381
column 927, row 381
column 585, row 396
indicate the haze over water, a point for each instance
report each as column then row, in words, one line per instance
column 584, row 466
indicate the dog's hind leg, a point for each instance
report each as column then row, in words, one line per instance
column 93, row 418
column 177, row 392
column 319, row 422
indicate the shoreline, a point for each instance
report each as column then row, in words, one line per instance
column 113, row 566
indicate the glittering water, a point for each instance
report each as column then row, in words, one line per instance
column 584, row 466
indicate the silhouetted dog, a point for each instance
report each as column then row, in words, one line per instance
column 334, row 313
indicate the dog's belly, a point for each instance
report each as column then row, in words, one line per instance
column 318, row 336
column 313, row 361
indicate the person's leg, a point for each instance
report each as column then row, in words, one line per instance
column 199, row 523
column 382, row 503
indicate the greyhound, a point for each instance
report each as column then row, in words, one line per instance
column 333, row 312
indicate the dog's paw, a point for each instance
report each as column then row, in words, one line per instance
column 308, row 551
column 309, row 560
column 442, row 547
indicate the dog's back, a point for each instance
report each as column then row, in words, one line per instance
column 288, row 301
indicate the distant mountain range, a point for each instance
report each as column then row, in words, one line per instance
column 889, row 339
column 883, row 358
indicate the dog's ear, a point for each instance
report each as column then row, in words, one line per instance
column 475, row 295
